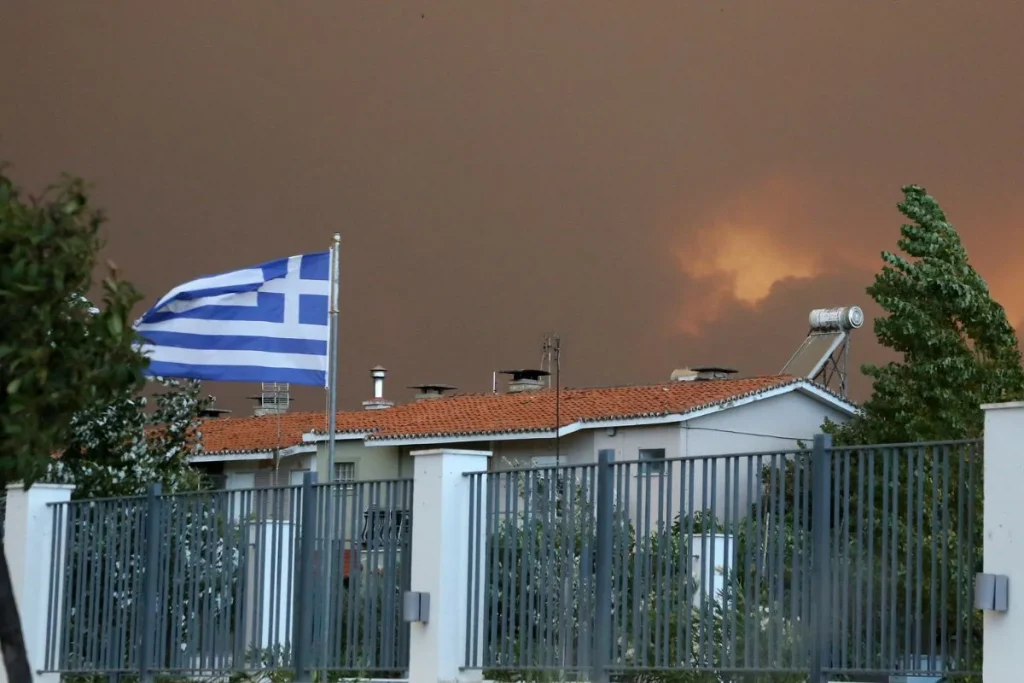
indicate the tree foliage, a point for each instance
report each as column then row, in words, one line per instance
column 56, row 357
column 958, row 350
column 121, row 447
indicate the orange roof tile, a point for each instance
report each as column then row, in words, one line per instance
column 264, row 433
column 487, row 414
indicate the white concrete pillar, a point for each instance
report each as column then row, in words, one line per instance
column 440, row 562
column 28, row 545
column 1004, row 544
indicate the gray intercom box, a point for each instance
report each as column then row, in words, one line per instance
column 416, row 607
column 991, row 592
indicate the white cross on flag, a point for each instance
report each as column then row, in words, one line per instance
column 268, row 323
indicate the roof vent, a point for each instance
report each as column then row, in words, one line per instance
column 212, row 413
column 378, row 402
column 709, row 372
column 431, row 391
column 683, row 375
column 526, row 380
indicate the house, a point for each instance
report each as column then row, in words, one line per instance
column 700, row 413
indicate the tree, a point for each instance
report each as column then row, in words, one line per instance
column 957, row 351
column 958, row 348
column 119, row 448
column 56, row 357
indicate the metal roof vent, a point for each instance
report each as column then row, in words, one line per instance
column 378, row 402
column 526, row 380
column 709, row 372
column 429, row 392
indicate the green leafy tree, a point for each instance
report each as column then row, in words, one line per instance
column 121, row 447
column 957, row 351
column 56, row 356
column 958, row 348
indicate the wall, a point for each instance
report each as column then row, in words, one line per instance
column 770, row 424
column 727, row 485
column 574, row 449
column 242, row 474
column 372, row 463
column 742, row 436
column 749, row 438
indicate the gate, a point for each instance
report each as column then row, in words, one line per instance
column 213, row 583
column 825, row 564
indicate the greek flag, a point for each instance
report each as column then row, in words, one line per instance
column 262, row 324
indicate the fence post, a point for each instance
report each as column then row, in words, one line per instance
column 32, row 554
column 821, row 557
column 441, row 555
column 603, row 565
column 1003, row 481
column 148, row 601
column 302, row 600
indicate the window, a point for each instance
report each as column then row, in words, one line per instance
column 345, row 473
column 652, row 460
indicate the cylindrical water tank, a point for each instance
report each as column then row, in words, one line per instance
column 841, row 318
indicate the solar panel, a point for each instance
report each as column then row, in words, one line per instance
column 811, row 355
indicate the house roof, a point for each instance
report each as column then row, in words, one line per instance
column 267, row 432
column 484, row 415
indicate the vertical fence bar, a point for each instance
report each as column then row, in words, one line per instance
column 302, row 601
column 603, row 565
column 147, row 604
column 821, row 508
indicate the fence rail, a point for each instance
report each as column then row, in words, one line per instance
column 837, row 561
column 240, row 580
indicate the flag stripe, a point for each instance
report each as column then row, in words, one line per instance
column 235, row 342
column 248, row 280
column 239, row 327
column 269, row 308
column 169, row 354
column 235, row 373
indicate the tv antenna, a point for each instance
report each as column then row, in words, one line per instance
column 550, row 362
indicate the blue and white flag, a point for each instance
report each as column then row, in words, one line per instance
column 262, row 324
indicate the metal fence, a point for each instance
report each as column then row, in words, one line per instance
column 307, row 577
column 818, row 563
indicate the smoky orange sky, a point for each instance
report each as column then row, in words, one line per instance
column 662, row 184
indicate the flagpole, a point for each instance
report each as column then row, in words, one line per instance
column 332, row 411
column 332, row 364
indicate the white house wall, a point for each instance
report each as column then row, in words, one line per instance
column 371, row 463
column 746, row 436
column 242, row 476
column 574, row 449
column 776, row 424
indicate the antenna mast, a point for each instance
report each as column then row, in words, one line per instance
column 550, row 362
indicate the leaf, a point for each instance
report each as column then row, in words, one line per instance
column 13, row 386
column 115, row 325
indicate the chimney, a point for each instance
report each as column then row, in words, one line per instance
column 526, row 380
column 429, row 392
column 378, row 402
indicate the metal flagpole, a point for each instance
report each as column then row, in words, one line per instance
column 332, row 364
column 332, row 410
